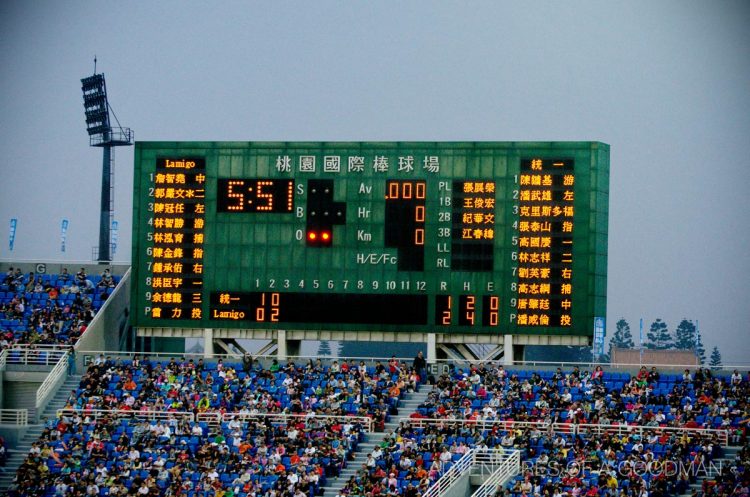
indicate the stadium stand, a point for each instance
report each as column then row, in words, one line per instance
column 734, row 480
column 50, row 309
column 195, row 429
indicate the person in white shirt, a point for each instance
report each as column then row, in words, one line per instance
column 445, row 456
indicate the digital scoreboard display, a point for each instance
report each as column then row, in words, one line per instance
column 438, row 237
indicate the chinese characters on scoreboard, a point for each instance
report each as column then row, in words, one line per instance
column 178, row 223
column 545, row 241
column 473, row 226
column 358, row 163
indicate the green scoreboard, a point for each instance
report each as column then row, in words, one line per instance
column 438, row 237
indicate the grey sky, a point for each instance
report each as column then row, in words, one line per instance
column 666, row 84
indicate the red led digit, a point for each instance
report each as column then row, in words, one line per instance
column 274, row 307
column 407, row 192
column 231, row 193
column 419, row 236
column 419, row 214
column 420, row 190
column 268, row 197
column 447, row 313
column 393, row 190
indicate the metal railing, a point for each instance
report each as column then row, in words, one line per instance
column 35, row 355
column 124, row 413
column 501, row 465
column 283, row 418
column 301, row 360
column 18, row 417
column 211, row 418
column 450, row 477
column 643, row 431
column 570, row 428
column 486, row 424
column 506, row 465
column 3, row 359
column 51, row 383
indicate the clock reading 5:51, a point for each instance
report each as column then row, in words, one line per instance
column 255, row 195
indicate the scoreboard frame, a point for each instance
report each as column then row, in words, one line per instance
column 249, row 253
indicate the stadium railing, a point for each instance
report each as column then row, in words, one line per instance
column 569, row 428
column 629, row 430
column 450, row 477
column 501, row 465
column 18, row 417
column 301, row 360
column 52, row 382
column 128, row 414
column 367, row 423
column 483, row 424
column 507, row 464
column 35, row 355
column 212, row 419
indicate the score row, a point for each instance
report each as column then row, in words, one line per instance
column 345, row 308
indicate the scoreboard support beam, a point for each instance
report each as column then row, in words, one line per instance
column 208, row 343
column 281, row 353
column 507, row 347
column 431, row 348
column 508, row 350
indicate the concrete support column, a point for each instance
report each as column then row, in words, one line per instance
column 281, row 352
column 208, row 343
column 508, row 350
column 431, row 348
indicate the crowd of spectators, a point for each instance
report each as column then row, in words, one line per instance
column 487, row 392
column 187, row 385
column 733, row 480
column 312, row 392
column 82, row 455
column 478, row 407
column 49, row 309
column 563, row 463
column 556, row 464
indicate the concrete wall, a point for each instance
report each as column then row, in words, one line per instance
column 56, row 267
column 12, row 434
column 666, row 358
column 20, row 395
column 461, row 488
column 104, row 331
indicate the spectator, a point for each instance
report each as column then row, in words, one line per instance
column 420, row 366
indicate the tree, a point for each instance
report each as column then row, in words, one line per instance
column 324, row 348
column 622, row 338
column 715, row 358
column 700, row 350
column 659, row 337
column 685, row 335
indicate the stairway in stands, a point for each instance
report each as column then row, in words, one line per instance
column 17, row 455
column 406, row 406
column 711, row 471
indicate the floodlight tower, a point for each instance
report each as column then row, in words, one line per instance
column 102, row 134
